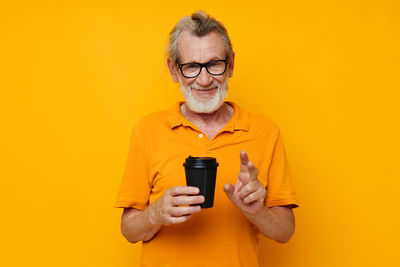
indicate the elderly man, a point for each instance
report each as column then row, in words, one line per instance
column 258, row 195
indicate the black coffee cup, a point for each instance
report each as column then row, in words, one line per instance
column 201, row 172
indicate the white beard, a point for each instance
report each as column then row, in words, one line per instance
column 207, row 104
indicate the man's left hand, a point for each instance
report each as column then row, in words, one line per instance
column 248, row 194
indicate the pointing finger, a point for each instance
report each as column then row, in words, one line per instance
column 243, row 160
column 253, row 171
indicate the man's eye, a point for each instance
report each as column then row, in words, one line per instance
column 213, row 64
column 192, row 66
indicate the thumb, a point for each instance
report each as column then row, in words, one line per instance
column 229, row 190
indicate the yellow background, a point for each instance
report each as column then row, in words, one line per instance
column 75, row 76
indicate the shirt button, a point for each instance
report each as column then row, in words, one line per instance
column 201, row 135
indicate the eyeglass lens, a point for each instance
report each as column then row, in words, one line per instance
column 213, row 67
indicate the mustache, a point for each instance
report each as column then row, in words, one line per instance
column 211, row 86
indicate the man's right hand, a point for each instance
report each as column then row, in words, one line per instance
column 171, row 207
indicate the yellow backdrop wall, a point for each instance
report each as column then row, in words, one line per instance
column 75, row 76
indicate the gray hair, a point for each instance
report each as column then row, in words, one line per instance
column 199, row 24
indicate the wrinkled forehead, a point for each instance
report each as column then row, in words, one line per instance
column 192, row 48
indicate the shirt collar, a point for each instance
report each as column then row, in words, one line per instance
column 239, row 120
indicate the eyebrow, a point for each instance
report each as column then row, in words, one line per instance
column 211, row 59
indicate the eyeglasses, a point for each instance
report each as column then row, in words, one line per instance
column 192, row 70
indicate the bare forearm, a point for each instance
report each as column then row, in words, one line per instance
column 276, row 223
column 172, row 208
column 139, row 225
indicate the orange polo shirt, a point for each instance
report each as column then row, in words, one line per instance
column 221, row 235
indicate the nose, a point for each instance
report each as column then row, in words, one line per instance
column 204, row 79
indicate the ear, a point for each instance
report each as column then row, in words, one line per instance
column 172, row 70
column 231, row 65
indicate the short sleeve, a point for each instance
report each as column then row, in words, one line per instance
column 280, row 190
column 134, row 189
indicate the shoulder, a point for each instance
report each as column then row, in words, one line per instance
column 259, row 123
column 152, row 118
column 152, row 122
column 263, row 127
column 262, row 122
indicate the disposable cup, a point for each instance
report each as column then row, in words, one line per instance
column 201, row 172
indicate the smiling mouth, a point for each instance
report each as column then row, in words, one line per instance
column 205, row 90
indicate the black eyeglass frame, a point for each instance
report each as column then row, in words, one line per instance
column 203, row 65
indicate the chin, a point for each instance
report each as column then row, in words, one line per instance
column 205, row 104
column 204, row 107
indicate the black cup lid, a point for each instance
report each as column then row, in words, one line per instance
column 200, row 162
